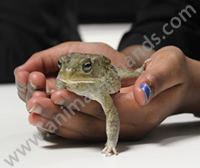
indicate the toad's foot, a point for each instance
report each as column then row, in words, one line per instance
column 145, row 63
column 108, row 150
column 112, row 123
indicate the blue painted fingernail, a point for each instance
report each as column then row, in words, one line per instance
column 147, row 91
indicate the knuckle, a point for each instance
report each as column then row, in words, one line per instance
column 104, row 45
column 176, row 55
column 35, row 55
column 178, row 61
column 153, row 120
column 154, row 81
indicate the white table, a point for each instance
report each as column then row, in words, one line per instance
column 174, row 144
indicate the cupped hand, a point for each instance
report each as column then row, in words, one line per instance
column 171, row 77
column 39, row 72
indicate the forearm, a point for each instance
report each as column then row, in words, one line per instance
column 154, row 26
column 136, row 55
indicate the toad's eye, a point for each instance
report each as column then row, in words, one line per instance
column 59, row 64
column 87, row 66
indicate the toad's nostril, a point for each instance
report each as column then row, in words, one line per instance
column 68, row 69
column 72, row 70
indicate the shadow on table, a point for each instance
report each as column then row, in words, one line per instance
column 166, row 134
column 61, row 143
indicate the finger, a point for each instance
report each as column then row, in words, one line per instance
column 39, row 93
column 21, row 81
column 163, row 72
column 37, row 81
column 73, row 135
column 42, row 124
column 44, row 62
column 66, row 117
column 84, row 124
column 81, row 126
column 50, row 84
column 44, row 127
column 46, row 108
column 27, row 83
column 38, row 120
column 42, row 106
column 72, row 101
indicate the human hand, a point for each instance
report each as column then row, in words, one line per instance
column 169, row 69
column 37, row 76
column 169, row 76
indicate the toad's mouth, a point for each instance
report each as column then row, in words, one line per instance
column 76, row 81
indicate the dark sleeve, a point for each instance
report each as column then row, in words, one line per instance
column 166, row 22
column 30, row 26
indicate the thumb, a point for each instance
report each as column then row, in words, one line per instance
column 160, row 75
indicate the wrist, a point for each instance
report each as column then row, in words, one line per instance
column 192, row 94
column 196, row 84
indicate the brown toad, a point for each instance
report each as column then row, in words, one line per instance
column 94, row 76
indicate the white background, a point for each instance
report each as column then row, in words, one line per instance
column 174, row 144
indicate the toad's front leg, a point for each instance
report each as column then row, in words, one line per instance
column 112, row 124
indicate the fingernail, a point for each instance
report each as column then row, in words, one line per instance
column 40, row 125
column 147, row 91
column 31, row 88
column 14, row 72
column 36, row 109
column 49, row 92
column 60, row 101
column 21, row 89
column 31, row 85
